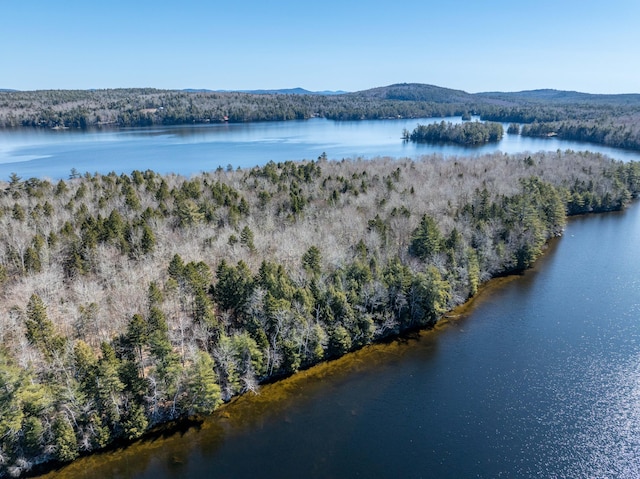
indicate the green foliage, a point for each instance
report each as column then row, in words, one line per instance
column 148, row 240
column 233, row 287
column 176, row 267
column 135, row 422
column 32, row 263
column 273, row 278
column 11, row 384
column 468, row 133
column 64, row 439
column 312, row 261
column 339, row 341
column 109, row 387
column 189, row 213
column 246, row 238
column 426, row 239
column 18, row 212
column 40, row 330
column 205, row 394
column 154, row 294
column 428, row 297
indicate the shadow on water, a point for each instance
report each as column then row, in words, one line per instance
column 169, row 450
column 349, row 390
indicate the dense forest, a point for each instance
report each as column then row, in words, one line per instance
column 132, row 300
column 467, row 133
column 613, row 120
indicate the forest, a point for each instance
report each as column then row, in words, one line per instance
column 467, row 133
column 132, row 300
column 612, row 120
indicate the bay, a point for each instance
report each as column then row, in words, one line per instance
column 192, row 149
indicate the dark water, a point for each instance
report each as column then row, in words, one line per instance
column 539, row 377
column 192, row 149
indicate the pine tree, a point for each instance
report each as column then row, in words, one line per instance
column 246, row 238
column 64, row 439
column 425, row 239
column 40, row 330
column 204, row 391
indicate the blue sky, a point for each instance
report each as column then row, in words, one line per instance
column 589, row 46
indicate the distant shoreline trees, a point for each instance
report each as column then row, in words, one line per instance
column 620, row 135
column 613, row 120
column 466, row 133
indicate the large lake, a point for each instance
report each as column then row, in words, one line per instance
column 192, row 149
column 539, row 378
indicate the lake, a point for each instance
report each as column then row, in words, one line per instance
column 191, row 149
column 538, row 377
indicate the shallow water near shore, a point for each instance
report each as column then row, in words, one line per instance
column 539, row 376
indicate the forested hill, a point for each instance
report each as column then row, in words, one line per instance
column 417, row 92
column 562, row 97
column 613, row 120
column 130, row 300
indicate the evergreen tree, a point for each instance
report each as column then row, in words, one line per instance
column 135, row 421
column 40, row 330
column 246, row 238
column 426, row 239
column 312, row 261
column 204, row 392
column 64, row 439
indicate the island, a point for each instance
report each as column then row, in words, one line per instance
column 467, row 133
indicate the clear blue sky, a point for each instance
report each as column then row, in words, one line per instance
column 583, row 45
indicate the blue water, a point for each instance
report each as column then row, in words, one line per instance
column 192, row 149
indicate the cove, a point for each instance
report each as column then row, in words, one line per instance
column 539, row 376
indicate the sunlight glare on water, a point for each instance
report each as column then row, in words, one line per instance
column 608, row 445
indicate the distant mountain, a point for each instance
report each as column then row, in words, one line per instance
column 436, row 94
column 416, row 92
column 197, row 90
column 7, row 90
column 281, row 91
column 550, row 96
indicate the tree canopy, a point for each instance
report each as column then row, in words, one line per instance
column 126, row 303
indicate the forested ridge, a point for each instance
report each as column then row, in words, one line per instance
column 132, row 300
column 612, row 120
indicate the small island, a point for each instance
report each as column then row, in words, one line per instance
column 466, row 133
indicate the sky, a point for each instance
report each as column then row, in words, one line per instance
column 491, row 45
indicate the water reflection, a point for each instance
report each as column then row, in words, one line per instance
column 195, row 148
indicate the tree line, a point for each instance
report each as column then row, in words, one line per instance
column 133, row 300
column 623, row 134
column 466, row 133
column 147, row 107
column 606, row 119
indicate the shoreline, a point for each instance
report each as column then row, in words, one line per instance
column 227, row 411
column 277, row 390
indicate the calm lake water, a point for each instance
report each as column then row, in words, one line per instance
column 192, row 149
column 539, row 377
